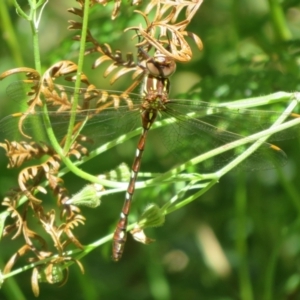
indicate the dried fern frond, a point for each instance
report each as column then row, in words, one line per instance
column 30, row 177
column 166, row 37
column 124, row 65
column 172, row 8
column 46, row 92
column 30, row 73
column 48, row 222
column 27, row 247
column 11, row 203
column 20, row 152
column 69, row 226
column 55, row 271
column 115, row 58
column 9, row 265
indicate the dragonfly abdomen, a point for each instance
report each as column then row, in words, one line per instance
column 155, row 91
column 120, row 234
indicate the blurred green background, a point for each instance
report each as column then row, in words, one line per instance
column 241, row 240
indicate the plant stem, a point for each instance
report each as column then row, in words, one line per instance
column 11, row 289
column 78, row 75
column 9, row 34
column 246, row 292
column 278, row 20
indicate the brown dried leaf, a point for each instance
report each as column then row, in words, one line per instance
column 74, row 26
column 139, row 235
column 11, row 208
column 164, row 25
column 73, row 239
column 100, row 60
column 29, row 235
column 120, row 73
column 13, row 259
column 18, row 153
column 35, row 282
column 76, row 11
column 31, row 74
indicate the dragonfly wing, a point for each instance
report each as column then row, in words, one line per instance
column 101, row 128
column 189, row 136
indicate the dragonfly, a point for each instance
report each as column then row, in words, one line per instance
column 194, row 126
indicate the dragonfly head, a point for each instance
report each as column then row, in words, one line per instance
column 161, row 65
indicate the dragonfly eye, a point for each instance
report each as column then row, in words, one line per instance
column 161, row 65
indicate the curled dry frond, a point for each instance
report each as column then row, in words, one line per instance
column 53, row 272
column 116, row 60
column 9, row 265
column 18, row 153
column 42, row 90
column 124, row 65
column 166, row 36
column 11, row 204
column 31, row 74
column 48, row 222
column 68, row 231
column 172, row 8
column 61, row 235
column 30, row 177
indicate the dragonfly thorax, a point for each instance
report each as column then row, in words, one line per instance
column 156, row 87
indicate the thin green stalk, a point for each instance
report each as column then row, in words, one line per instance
column 34, row 18
column 9, row 34
column 78, row 75
column 290, row 189
column 271, row 265
column 258, row 101
column 62, row 152
column 158, row 283
column 36, row 49
column 246, row 292
column 11, row 288
column 270, row 271
column 34, row 23
column 169, row 209
column 279, row 21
